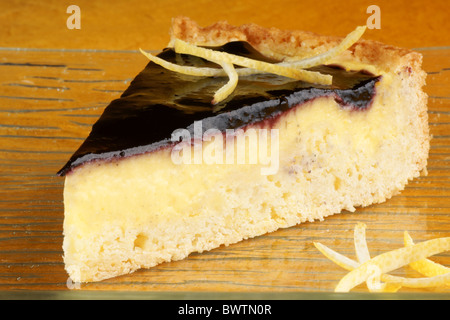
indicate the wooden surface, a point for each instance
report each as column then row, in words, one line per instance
column 50, row 97
column 48, row 101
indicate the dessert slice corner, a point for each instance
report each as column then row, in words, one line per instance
column 139, row 211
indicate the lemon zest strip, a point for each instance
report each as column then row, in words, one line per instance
column 373, row 271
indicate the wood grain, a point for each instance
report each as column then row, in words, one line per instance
column 48, row 101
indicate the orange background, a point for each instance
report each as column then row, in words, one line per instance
column 128, row 25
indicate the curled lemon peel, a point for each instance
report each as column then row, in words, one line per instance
column 188, row 70
column 361, row 249
column 374, row 270
column 229, row 87
column 375, row 277
column 291, row 69
column 425, row 266
column 195, row 71
column 322, row 58
column 181, row 46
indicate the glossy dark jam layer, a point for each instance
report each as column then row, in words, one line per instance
column 159, row 101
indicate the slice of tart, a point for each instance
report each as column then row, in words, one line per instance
column 150, row 184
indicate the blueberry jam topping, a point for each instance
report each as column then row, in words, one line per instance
column 159, row 101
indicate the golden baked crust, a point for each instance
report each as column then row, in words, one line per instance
column 282, row 44
column 285, row 44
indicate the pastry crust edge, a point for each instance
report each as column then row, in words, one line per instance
column 282, row 44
